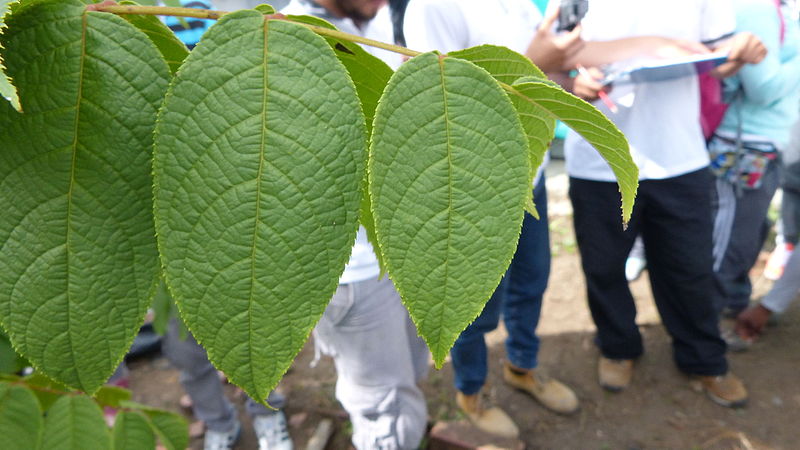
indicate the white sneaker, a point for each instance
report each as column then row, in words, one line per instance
column 272, row 432
column 634, row 266
column 219, row 440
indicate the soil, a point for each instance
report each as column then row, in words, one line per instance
column 659, row 410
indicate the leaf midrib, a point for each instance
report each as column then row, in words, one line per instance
column 262, row 146
column 449, row 190
column 84, row 19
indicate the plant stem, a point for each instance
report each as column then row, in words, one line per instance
column 209, row 14
column 161, row 11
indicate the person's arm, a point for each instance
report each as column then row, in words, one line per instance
column 551, row 51
column 750, row 322
column 771, row 79
column 743, row 48
column 600, row 53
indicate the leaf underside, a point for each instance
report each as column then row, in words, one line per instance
column 20, row 417
column 370, row 76
column 449, row 176
column 256, row 214
column 132, row 431
column 507, row 66
column 78, row 260
column 592, row 125
column 75, row 422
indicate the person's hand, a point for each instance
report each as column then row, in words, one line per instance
column 743, row 48
column 588, row 87
column 551, row 51
column 750, row 322
column 746, row 48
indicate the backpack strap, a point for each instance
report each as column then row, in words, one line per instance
column 782, row 21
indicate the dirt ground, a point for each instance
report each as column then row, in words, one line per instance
column 658, row 411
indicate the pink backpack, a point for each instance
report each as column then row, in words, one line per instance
column 712, row 105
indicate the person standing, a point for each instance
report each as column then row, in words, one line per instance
column 745, row 148
column 673, row 205
column 448, row 25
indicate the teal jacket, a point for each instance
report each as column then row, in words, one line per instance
column 768, row 105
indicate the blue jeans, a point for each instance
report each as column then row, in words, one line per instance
column 518, row 297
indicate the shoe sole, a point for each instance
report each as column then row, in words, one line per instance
column 698, row 387
column 613, row 388
column 726, row 403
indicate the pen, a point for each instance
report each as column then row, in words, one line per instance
column 602, row 94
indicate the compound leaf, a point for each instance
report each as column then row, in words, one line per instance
column 592, row 125
column 78, row 260
column 20, row 417
column 449, row 175
column 256, row 214
column 75, row 422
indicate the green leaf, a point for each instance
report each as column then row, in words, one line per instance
column 449, row 176
column 172, row 429
column 20, row 418
column 50, row 390
column 504, row 64
column 10, row 360
column 507, row 66
column 171, row 48
column 7, row 90
column 132, row 431
column 111, row 396
column 256, row 214
column 75, row 422
column 78, row 260
column 370, row 76
column 265, row 9
column 592, row 125
column 163, row 308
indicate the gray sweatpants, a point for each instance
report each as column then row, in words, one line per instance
column 200, row 380
column 379, row 361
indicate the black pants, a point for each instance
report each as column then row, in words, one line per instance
column 674, row 219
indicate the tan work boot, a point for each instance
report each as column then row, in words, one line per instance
column 552, row 394
column 726, row 390
column 615, row 374
column 493, row 420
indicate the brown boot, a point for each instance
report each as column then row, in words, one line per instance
column 552, row 394
column 726, row 390
column 615, row 374
column 492, row 420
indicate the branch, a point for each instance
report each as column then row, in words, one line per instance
column 209, row 14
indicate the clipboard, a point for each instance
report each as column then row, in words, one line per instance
column 664, row 70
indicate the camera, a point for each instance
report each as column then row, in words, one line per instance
column 570, row 13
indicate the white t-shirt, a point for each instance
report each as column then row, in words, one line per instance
column 448, row 25
column 660, row 120
column 363, row 264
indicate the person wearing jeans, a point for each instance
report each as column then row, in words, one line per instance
column 448, row 25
